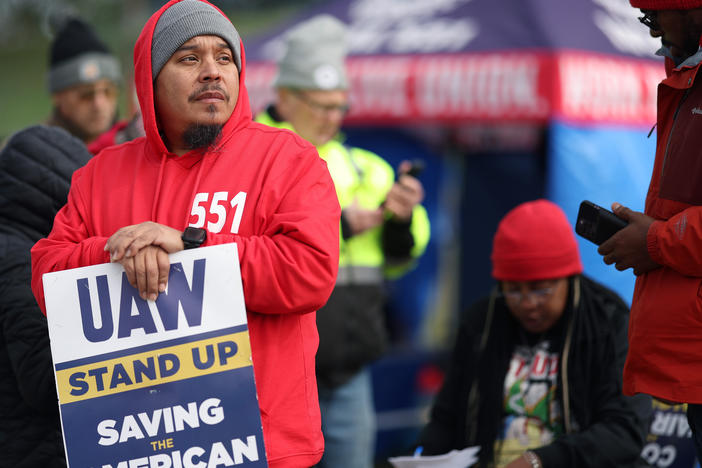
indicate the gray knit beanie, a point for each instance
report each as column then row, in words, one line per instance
column 185, row 20
column 314, row 56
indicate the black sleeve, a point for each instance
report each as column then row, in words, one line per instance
column 447, row 421
column 346, row 232
column 615, row 440
column 26, row 336
column 619, row 423
column 397, row 240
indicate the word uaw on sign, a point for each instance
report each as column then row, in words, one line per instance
column 165, row 383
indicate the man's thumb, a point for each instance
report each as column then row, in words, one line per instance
column 621, row 211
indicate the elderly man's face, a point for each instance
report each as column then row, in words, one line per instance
column 199, row 85
column 315, row 115
column 88, row 110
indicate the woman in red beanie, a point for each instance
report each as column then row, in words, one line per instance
column 535, row 375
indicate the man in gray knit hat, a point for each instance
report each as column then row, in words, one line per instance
column 206, row 174
column 384, row 230
column 83, row 80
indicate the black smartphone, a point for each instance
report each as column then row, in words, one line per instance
column 416, row 168
column 597, row 224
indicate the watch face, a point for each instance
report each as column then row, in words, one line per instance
column 194, row 237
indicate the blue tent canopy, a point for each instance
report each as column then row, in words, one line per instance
column 400, row 27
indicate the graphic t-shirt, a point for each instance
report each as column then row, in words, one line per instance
column 532, row 414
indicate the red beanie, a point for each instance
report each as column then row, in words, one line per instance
column 666, row 4
column 534, row 241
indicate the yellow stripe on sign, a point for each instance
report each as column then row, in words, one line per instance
column 154, row 367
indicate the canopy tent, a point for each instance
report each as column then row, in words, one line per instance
column 458, row 61
column 582, row 69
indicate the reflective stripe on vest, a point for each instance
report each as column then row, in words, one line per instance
column 359, row 275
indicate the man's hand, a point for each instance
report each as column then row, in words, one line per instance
column 142, row 249
column 148, row 271
column 360, row 219
column 404, row 195
column 129, row 240
column 628, row 247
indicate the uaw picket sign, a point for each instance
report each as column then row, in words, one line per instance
column 158, row 384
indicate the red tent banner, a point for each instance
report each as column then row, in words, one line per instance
column 455, row 61
column 491, row 87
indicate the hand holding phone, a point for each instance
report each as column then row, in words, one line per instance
column 415, row 170
column 630, row 249
column 403, row 196
column 597, row 224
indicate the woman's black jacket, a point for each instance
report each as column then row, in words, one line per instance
column 603, row 427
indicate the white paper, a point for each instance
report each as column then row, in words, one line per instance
column 454, row 459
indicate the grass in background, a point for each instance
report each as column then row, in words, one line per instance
column 24, row 98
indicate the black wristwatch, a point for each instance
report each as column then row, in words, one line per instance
column 193, row 237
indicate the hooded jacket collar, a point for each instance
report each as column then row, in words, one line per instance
column 241, row 116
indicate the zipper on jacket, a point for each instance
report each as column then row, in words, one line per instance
column 564, row 360
column 672, row 128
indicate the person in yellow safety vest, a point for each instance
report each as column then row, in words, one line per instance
column 384, row 229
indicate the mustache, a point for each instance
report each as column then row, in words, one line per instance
column 208, row 88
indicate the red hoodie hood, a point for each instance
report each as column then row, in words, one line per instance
column 241, row 116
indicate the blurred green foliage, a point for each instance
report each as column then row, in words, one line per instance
column 25, row 38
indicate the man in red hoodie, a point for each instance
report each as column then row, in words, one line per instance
column 663, row 246
column 205, row 174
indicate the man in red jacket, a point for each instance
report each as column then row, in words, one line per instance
column 205, row 174
column 663, row 245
